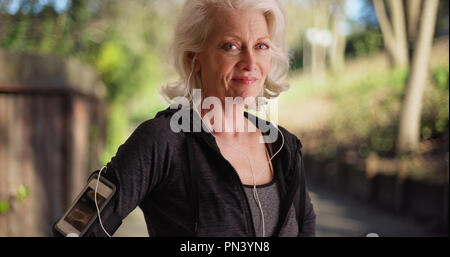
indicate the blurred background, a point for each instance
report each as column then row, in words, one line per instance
column 369, row 99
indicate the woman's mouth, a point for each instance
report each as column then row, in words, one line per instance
column 245, row 80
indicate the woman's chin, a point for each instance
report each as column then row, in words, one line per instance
column 246, row 92
column 247, row 97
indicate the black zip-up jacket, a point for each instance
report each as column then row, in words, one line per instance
column 185, row 187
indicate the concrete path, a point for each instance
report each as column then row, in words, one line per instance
column 133, row 225
column 340, row 215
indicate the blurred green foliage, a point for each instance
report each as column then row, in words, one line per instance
column 22, row 192
column 364, row 43
column 367, row 105
column 4, row 206
column 435, row 113
column 126, row 41
column 367, row 111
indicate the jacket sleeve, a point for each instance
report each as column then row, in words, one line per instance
column 136, row 169
column 309, row 220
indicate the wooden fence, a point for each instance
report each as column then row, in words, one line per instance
column 52, row 126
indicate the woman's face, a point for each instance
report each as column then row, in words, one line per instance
column 236, row 58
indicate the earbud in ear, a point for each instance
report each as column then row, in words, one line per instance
column 193, row 62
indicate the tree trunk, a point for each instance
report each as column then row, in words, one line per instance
column 318, row 52
column 394, row 30
column 413, row 9
column 337, row 49
column 409, row 127
column 401, row 40
column 413, row 14
column 318, row 65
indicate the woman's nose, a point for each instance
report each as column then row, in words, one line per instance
column 248, row 60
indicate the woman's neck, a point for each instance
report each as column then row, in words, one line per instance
column 227, row 119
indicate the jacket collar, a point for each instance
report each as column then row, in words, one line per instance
column 196, row 127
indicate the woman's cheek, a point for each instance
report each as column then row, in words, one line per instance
column 226, row 71
column 266, row 61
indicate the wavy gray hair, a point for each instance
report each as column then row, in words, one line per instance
column 191, row 32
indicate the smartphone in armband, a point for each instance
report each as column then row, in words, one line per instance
column 83, row 212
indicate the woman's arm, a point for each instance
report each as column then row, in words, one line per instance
column 309, row 220
column 135, row 170
column 308, row 228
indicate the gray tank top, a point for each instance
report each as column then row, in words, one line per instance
column 270, row 201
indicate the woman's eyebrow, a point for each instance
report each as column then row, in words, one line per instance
column 238, row 37
column 265, row 37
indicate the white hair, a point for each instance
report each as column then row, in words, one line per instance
column 191, row 32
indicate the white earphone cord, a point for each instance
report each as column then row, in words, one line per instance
column 255, row 193
column 96, row 204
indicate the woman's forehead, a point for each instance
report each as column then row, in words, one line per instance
column 239, row 24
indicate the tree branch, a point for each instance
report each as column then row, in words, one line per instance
column 413, row 12
column 386, row 27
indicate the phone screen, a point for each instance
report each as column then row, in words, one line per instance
column 84, row 210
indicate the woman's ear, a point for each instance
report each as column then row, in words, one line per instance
column 194, row 62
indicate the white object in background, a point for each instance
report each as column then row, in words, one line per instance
column 321, row 37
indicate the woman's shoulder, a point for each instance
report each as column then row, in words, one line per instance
column 291, row 140
column 157, row 129
column 290, row 137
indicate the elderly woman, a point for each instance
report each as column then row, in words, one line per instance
column 219, row 180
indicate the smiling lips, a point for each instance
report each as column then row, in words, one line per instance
column 245, row 80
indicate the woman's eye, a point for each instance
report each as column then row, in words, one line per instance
column 229, row 46
column 262, row 46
